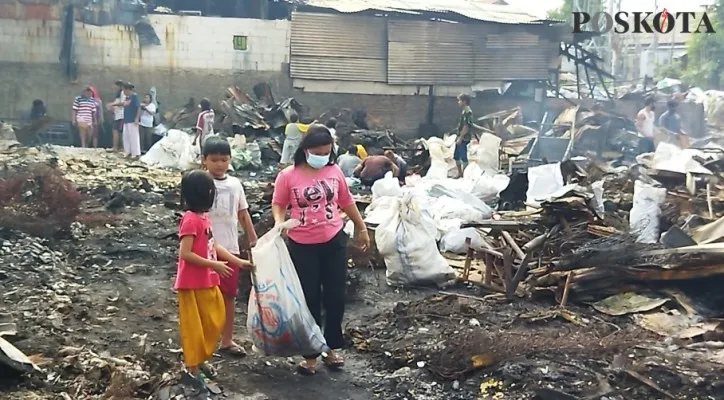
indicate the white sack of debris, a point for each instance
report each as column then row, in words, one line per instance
column 543, row 181
column 175, row 150
column 454, row 241
column 387, row 186
column 442, row 164
column 645, row 213
column 279, row 322
column 406, row 241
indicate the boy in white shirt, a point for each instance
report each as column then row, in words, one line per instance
column 148, row 110
column 229, row 211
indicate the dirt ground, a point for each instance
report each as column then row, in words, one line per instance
column 95, row 310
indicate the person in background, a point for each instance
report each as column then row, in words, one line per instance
column 148, row 111
column 230, row 210
column 331, row 124
column 374, row 168
column 361, row 151
column 37, row 111
column 200, row 301
column 292, row 136
column 465, row 127
column 315, row 189
column 401, row 165
column 670, row 119
column 84, row 109
column 131, row 118
column 349, row 161
column 97, row 117
column 117, row 107
column 645, row 126
column 204, row 123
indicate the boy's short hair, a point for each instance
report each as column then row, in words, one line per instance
column 465, row 98
column 217, row 146
column 331, row 123
column 352, row 149
column 293, row 118
column 129, row 85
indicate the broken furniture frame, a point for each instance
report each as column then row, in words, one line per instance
column 509, row 261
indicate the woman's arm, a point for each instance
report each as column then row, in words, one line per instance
column 279, row 213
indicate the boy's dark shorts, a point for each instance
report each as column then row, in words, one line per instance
column 461, row 152
column 239, row 278
column 118, row 125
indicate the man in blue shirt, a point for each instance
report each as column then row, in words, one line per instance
column 131, row 115
column 670, row 119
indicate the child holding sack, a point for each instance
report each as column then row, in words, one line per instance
column 200, row 302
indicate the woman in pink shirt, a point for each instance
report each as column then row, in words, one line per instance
column 315, row 190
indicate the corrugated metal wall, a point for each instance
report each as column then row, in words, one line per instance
column 409, row 52
column 338, row 47
column 430, row 53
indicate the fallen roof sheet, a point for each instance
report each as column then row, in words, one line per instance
column 476, row 10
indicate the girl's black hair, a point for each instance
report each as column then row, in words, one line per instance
column 205, row 104
column 317, row 135
column 217, row 146
column 197, row 191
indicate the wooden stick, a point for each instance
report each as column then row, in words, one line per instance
column 489, row 260
column 508, row 274
column 464, row 296
column 468, row 258
column 512, row 244
column 566, row 288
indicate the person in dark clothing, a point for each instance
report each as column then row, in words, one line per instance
column 37, row 111
column 670, row 119
column 465, row 127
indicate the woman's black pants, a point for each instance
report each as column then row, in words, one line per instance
column 322, row 270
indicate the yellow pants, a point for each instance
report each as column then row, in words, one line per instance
column 201, row 318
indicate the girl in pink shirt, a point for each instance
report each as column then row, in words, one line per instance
column 315, row 189
column 200, row 303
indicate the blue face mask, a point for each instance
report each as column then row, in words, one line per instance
column 316, row 161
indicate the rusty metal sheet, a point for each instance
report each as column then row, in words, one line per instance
column 336, row 68
column 430, row 63
column 335, row 35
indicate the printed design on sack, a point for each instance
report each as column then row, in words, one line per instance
column 316, row 202
column 272, row 326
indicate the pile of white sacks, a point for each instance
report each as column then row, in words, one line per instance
column 411, row 220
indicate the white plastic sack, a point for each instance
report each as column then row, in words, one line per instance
column 645, row 213
column 406, row 241
column 597, row 188
column 387, row 186
column 543, row 181
column 487, row 187
column 454, row 241
column 279, row 322
column 441, row 157
column 488, row 152
column 173, row 151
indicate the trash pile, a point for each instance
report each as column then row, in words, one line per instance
column 634, row 235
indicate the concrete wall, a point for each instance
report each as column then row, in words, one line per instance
column 195, row 59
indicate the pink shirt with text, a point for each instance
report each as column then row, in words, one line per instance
column 190, row 276
column 314, row 200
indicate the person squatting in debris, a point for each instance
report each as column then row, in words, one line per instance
column 401, row 165
column 374, row 168
column 148, row 111
column 465, row 127
column 645, row 126
column 37, row 111
column 84, row 111
column 349, row 161
column 229, row 211
column 315, row 189
column 204, row 123
column 670, row 119
column 292, row 136
column 117, row 107
column 131, row 116
column 200, row 301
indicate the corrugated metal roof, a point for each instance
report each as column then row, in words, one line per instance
column 469, row 8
